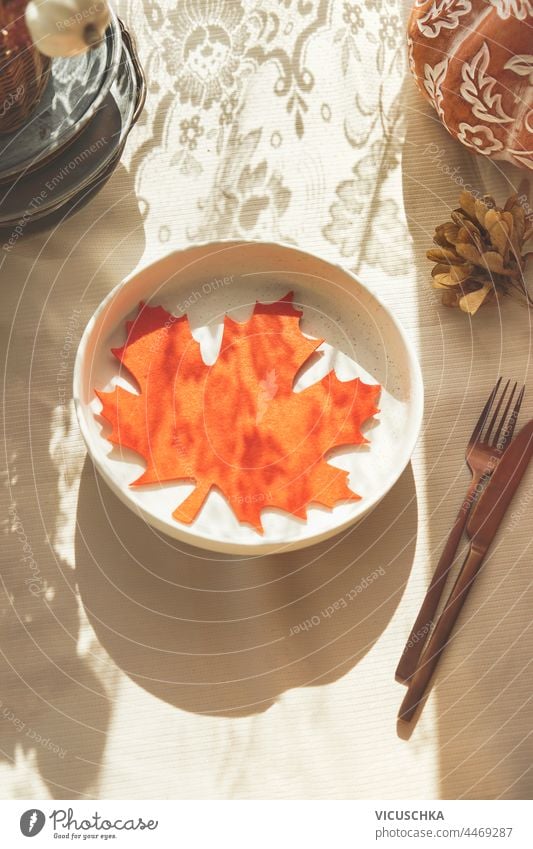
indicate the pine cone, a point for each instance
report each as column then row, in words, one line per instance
column 480, row 252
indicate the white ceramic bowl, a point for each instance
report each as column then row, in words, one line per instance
column 362, row 339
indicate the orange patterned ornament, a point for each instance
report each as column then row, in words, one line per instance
column 473, row 61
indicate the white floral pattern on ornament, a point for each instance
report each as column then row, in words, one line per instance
column 477, row 89
column 443, row 14
column 521, row 65
column 521, row 9
column 433, row 80
column 479, row 138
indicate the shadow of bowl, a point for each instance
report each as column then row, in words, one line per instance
column 215, row 634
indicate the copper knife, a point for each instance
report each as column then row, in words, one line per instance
column 481, row 529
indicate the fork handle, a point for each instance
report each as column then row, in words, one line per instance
column 422, row 626
column 440, row 636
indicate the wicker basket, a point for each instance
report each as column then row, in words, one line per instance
column 23, row 76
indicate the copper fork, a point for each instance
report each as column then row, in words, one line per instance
column 483, row 453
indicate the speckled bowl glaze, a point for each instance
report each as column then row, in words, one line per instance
column 362, row 339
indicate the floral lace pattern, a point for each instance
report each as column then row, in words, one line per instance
column 240, row 101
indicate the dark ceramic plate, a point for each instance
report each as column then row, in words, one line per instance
column 74, row 170
column 76, row 89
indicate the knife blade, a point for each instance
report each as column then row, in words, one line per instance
column 496, row 497
column 482, row 526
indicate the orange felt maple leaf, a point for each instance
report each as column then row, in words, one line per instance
column 236, row 426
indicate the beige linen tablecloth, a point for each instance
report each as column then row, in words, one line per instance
column 136, row 668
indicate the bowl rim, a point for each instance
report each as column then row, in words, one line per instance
column 213, row 542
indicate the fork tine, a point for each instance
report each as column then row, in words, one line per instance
column 509, row 430
column 480, row 424
column 496, row 413
column 496, row 442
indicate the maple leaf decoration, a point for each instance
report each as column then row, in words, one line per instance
column 236, row 426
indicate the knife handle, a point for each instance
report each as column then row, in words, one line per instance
column 420, row 630
column 439, row 638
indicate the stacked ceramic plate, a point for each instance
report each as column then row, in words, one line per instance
column 73, row 140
